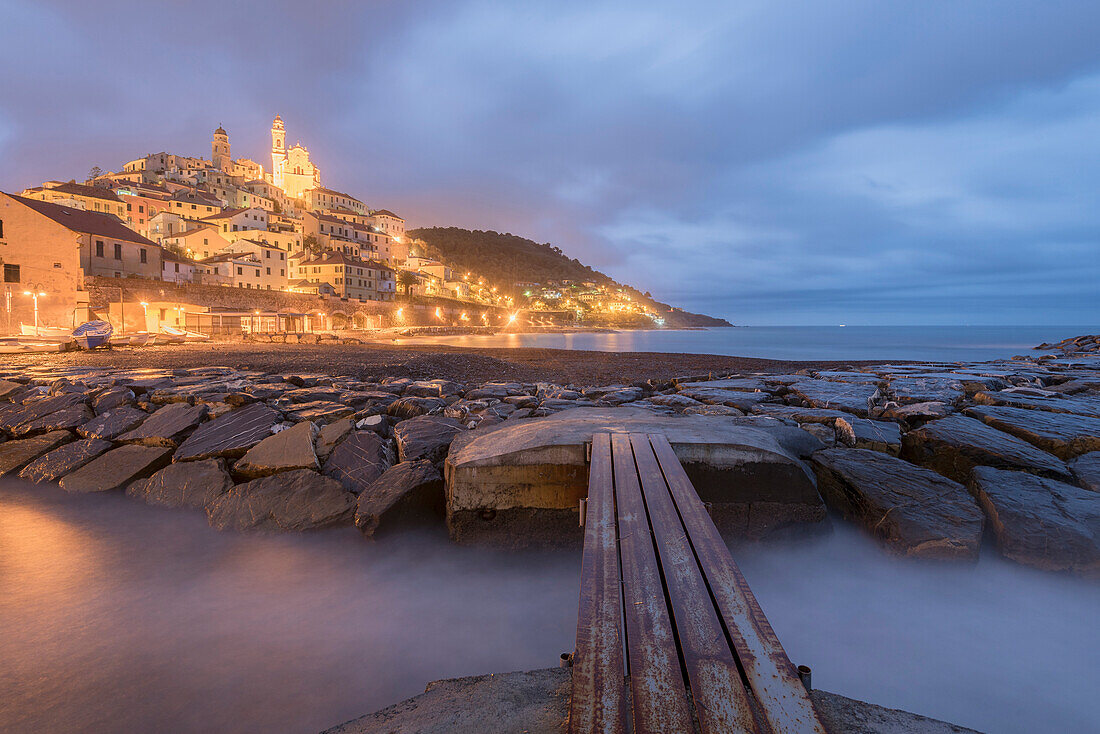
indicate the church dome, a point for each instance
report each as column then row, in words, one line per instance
column 220, row 131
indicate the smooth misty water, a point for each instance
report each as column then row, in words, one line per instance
column 120, row 617
column 938, row 343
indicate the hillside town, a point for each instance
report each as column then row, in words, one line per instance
column 193, row 222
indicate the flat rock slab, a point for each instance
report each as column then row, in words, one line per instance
column 112, row 397
column 1087, row 470
column 358, row 460
column 849, row 397
column 14, row 455
column 167, row 427
column 112, row 423
column 425, row 437
column 65, row 419
column 519, row 482
column 64, row 460
column 117, row 468
column 1080, row 405
column 908, row 390
column 229, row 435
column 862, row 433
column 331, row 435
column 191, row 484
column 825, row 416
column 914, row 413
column 954, row 445
column 318, row 411
column 747, row 384
column 715, row 396
column 912, row 510
column 289, row 501
column 859, row 378
column 1065, row 435
column 13, row 416
column 285, row 451
column 1041, row 522
column 412, row 490
column 411, row 407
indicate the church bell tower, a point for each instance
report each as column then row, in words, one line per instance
column 278, row 151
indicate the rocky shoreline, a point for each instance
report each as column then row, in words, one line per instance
column 925, row 457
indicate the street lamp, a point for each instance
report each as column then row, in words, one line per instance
column 145, row 308
column 35, row 295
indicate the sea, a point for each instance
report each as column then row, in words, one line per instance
column 934, row 343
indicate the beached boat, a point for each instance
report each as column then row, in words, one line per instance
column 45, row 334
column 92, row 334
column 18, row 345
column 172, row 335
column 140, row 339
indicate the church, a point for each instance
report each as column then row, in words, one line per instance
column 291, row 170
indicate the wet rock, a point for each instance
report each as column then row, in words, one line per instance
column 358, row 460
column 65, row 419
column 191, row 484
column 111, row 398
column 1065, row 435
column 117, row 468
column 411, row 407
column 412, row 490
column 1087, row 470
column 332, row 434
column 862, row 433
column 229, row 435
column 113, row 423
column 954, row 445
column 14, row 455
column 167, row 427
column 1041, row 522
column 912, row 510
column 425, row 437
column 290, row 501
column 63, row 460
column 287, row 450
column 851, row 398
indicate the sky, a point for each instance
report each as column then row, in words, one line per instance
column 773, row 162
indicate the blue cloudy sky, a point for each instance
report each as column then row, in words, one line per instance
column 772, row 162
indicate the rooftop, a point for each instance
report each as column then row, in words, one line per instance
column 85, row 222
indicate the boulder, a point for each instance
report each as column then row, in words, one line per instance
column 319, row 410
column 332, row 434
column 862, row 433
column 117, row 468
column 1041, row 522
column 520, row 482
column 63, row 460
column 358, row 460
column 912, row 510
column 15, row 415
column 110, row 424
column 849, row 397
column 1087, row 470
column 409, row 491
column 926, row 389
column 291, row 501
column 1081, row 405
column 956, row 444
column 425, row 437
column 191, row 484
column 916, row 413
column 9, row 389
column 1065, row 435
column 167, row 427
column 287, row 450
column 62, row 420
column 14, row 455
column 411, row 407
column 111, row 398
column 229, row 435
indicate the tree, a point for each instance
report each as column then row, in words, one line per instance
column 407, row 279
column 95, row 173
column 311, row 243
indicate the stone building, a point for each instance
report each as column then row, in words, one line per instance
column 291, row 169
column 350, row 277
column 79, row 196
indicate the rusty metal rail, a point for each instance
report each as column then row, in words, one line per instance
column 669, row 636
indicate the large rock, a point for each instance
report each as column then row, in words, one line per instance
column 917, row 413
column 412, row 490
column 14, row 416
column 520, row 482
column 331, row 435
column 110, row 424
column 1065, row 435
column 411, row 407
column 117, row 468
column 746, row 384
column 912, row 510
column 717, row 396
column 358, row 460
column 14, row 455
column 65, row 419
column 292, row 501
column 229, row 435
column 926, row 389
column 287, row 450
column 191, row 484
column 167, row 427
column 1041, row 522
column 63, row 460
column 111, row 398
column 862, row 433
column 826, row 416
column 849, row 397
column 425, row 437
column 1081, row 405
column 956, row 444
column 1087, row 470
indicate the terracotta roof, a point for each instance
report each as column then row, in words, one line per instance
column 333, row 192
column 170, row 256
column 85, row 222
column 227, row 213
column 386, row 213
column 94, row 192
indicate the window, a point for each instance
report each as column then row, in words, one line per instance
column 282, row 272
column 99, row 248
column 240, row 271
column 11, row 273
column 267, row 253
column 144, row 255
column 1, row 229
column 163, row 313
column 141, row 209
column 269, row 271
column 177, row 267
column 118, row 251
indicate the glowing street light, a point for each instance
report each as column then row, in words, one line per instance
column 145, row 308
column 512, row 318
column 438, row 312
column 35, row 295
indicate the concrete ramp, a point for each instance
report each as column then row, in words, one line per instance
column 519, row 483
